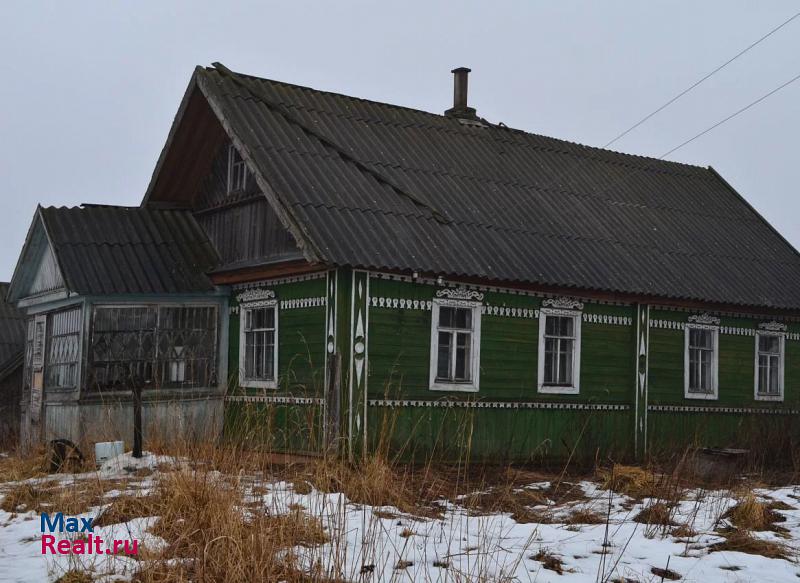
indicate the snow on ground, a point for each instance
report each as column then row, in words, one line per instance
column 383, row 544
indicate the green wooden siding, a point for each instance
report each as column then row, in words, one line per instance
column 301, row 369
column 398, row 362
column 301, row 337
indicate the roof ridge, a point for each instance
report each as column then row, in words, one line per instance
column 437, row 214
column 497, row 126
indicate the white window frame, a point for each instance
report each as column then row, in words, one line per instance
column 232, row 153
column 714, row 394
column 472, row 386
column 782, row 343
column 575, row 388
column 243, row 309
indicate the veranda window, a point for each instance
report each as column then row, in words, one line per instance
column 559, row 351
column 161, row 346
column 455, row 346
column 63, row 348
column 769, row 366
column 258, row 346
column 701, row 362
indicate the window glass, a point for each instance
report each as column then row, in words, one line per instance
column 559, row 350
column 454, row 358
column 63, row 348
column 769, row 365
column 259, row 344
column 167, row 346
column 701, row 361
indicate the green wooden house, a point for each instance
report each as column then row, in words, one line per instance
column 443, row 285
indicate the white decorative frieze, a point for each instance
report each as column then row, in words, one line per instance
column 563, row 303
column 728, row 410
column 704, row 319
column 457, row 293
column 451, row 404
column 302, row 303
column 505, row 311
column 274, row 400
column 773, row 326
column 400, row 303
column 255, row 295
column 608, row 319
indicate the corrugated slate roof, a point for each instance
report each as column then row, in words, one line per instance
column 385, row 187
column 12, row 332
column 104, row 250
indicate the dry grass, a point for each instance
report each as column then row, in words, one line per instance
column 75, row 576
column 203, row 520
column 14, row 468
column 751, row 514
column 71, row 498
column 657, row 514
column 743, row 541
column 684, row 531
column 585, row 516
column 632, row 481
column 549, row 561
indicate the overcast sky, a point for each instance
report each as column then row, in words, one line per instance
column 88, row 90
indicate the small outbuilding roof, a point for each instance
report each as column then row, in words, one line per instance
column 105, row 250
column 12, row 334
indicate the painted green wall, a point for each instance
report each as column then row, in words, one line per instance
column 399, row 350
column 301, row 370
column 399, row 360
column 301, row 336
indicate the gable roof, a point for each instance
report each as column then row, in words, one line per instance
column 12, row 334
column 103, row 250
column 373, row 185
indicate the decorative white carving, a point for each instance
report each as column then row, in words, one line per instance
column 773, row 326
column 255, row 295
column 563, row 303
column 460, row 294
column 705, row 319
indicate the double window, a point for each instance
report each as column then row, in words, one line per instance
column 258, row 352
column 769, row 366
column 559, row 351
column 701, row 361
column 455, row 345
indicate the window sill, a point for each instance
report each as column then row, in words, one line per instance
column 259, row 384
column 773, row 398
column 454, row 387
column 557, row 390
column 700, row 396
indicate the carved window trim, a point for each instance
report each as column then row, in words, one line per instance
column 473, row 385
column 774, row 332
column 710, row 324
column 258, row 299
column 577, row 317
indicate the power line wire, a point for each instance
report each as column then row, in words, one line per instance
column 688, row 89
column 730, row 117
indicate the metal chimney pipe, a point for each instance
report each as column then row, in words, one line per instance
column 460, row 108
column 460, row 87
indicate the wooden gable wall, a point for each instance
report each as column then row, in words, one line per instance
column 242, row 226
